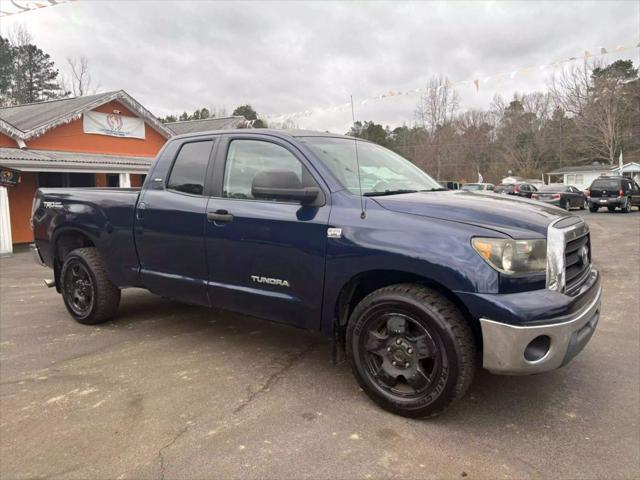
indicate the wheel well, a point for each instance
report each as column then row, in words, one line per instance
column 68, row 241
column 364, row 283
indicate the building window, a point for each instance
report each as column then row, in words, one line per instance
column 570, row 179
column 82, row 179
column 113, row 180
column 579, row 179
column 51, row 179
column 63, row 179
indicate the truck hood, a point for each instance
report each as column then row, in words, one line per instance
column 513, row 216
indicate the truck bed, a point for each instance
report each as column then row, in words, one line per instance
column 106, row 216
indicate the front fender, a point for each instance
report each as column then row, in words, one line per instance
column 437, row 251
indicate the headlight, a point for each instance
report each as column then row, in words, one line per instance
column 512, row 257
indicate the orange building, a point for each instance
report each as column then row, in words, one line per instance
column 100, row 140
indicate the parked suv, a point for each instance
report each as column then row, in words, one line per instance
column 519, row 189
column 613, row 192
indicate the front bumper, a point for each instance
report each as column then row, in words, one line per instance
column 527, row 349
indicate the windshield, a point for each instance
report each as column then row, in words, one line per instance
column 472, row 186
column 553, row 188
column 382, row 172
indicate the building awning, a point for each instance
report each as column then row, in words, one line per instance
column 54, row 161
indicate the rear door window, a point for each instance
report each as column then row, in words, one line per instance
column 189, row 168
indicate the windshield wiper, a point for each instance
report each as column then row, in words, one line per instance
column 388, row 192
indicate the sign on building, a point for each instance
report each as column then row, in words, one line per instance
column 113, row 125
column 9, row 177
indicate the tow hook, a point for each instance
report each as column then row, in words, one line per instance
column 49, row 282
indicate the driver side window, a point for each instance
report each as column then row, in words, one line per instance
column 248, row 158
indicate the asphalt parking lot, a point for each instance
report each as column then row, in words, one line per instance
column 175, row 391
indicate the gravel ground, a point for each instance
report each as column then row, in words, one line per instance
column 175, row 391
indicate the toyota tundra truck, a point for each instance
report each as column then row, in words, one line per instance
column 416, row 285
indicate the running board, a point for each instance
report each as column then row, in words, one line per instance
column 49, row 283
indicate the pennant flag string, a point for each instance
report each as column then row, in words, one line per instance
column 499, row 77
column 21, row 6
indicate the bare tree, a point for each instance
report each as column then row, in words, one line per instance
column 19, row 36
column 438, row 105
column 601, row 106
column 81, row 83
column 435, row 112
column 522, row 134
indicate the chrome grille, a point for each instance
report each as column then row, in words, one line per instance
column 577, row 260
column 568, row 254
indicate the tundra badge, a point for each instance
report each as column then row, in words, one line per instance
column 270, row 281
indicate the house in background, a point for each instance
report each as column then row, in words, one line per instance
column 105, row 140
column 582, row 176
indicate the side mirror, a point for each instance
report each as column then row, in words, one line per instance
column 282, row 185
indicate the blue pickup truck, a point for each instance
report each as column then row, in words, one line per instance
column 415, row 284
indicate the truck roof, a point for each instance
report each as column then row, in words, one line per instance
column 291, row 133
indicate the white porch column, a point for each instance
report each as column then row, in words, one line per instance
column 124, row 180
column 6, row 245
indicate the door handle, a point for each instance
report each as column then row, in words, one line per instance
column 139, row 210
column 219, row 216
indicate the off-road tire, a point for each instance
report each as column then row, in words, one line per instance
column 611, row 209
column 442, row 320
column 593, row 208
column 106, row 296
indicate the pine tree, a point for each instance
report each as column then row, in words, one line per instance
column 35, row 75
column 6, row 71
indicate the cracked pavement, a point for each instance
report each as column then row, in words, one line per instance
column 176, row 391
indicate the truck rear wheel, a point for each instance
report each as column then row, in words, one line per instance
column 411, row 350
column 88, row 294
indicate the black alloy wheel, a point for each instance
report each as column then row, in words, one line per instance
column 402, row 358
column 411, row 350
column 88, row 294
column 78, row 289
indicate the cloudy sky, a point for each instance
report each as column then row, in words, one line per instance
column 293, row 56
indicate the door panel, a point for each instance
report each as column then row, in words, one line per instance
column 266, row 258
column 170, row 223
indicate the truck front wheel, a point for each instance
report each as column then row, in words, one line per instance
column 411, row 350
column 88, row 294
